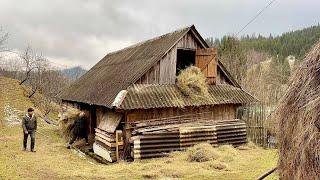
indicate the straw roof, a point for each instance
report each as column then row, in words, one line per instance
column 298, row 114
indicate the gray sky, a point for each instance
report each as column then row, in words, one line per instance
column 81, row 32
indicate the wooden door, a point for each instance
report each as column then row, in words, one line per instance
column 206, row 60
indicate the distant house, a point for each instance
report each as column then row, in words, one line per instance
column 137, row 84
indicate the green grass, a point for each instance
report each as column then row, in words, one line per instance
column 53, row 161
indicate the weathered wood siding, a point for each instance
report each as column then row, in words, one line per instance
column 107, row 119
column 164, row 72
column 218, row 112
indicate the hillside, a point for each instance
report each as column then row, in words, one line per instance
column 53, row 161
column 13, row 103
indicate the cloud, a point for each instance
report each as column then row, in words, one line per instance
column 81, row 32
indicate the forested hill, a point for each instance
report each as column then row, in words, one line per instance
column 295, row 43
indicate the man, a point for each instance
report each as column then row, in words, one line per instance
column 79, row 130
column 29, row 126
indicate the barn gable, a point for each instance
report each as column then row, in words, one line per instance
column 153, row 60
column 165, row 70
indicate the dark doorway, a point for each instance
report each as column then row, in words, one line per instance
column 185, row 58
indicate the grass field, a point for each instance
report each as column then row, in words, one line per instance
column 53, row 161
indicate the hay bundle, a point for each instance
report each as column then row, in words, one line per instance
column 192, row 83
column 66, row 121
column 298, row 114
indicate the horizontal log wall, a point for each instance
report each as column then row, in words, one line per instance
column 218, row 112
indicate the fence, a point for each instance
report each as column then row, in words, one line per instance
column 260, row 126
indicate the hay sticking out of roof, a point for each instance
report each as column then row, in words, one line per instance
column 298, row 113
column 192, row 82
column 66, row 121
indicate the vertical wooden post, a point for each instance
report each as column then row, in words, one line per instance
column 119, row 142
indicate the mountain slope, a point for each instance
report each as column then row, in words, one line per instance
column 74, row 72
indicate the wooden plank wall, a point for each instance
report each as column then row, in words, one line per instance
column 218, row 112
column 164, row 72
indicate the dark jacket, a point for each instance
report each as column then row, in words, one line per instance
column 79, row 127
column 29, row 124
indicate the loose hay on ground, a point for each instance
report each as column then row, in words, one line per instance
column 201, row 153
column 248, row 146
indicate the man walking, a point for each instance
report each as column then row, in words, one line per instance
column 79, row 130
column 29, row 126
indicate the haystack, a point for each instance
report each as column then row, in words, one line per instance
column 298, row 114
column 66, row 121
column 192, row 82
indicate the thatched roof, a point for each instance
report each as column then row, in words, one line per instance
column 118, row 70
column 298, row 114
column 146, row 96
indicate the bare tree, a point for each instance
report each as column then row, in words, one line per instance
column 30, row 61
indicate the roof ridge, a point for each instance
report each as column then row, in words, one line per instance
column 150, row 40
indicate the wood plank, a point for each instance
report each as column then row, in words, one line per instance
column 109, row 156
column 106, row 142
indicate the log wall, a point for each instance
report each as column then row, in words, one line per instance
column 218, row 112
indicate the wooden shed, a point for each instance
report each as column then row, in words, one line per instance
column 136, row 110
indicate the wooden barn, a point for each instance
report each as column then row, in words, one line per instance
column 136, row 110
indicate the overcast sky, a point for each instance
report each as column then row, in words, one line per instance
column 81, row 32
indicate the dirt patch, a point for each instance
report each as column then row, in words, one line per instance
column 8, row 138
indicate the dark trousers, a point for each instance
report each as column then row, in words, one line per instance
column 75, row 136
column 32, row 135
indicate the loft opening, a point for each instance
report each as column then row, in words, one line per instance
column 185, row 58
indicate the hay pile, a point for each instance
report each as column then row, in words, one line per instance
column 298, row 113
column 201, row 153
column 66, row 121
column 192, row 83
